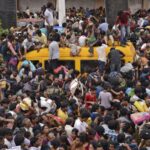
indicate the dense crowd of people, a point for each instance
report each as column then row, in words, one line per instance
column 104, row 108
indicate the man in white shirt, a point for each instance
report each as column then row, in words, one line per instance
column 28, row 44
column 105, row 98
column 102, row 58
column 103, row 26
column 80, row 122
column 8, row 140
column 49, row 18
column 53, row 54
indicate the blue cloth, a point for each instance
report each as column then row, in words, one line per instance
column 27, row 62
column 60, row 29
column 44, row 30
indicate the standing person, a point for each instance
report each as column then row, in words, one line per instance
column 105, row 98
column 49, row 18
column 102, row 58
column 123, row 21
column 53, row 54
column 115, row 59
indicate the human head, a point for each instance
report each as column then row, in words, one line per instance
column 74, row 133
column 26, row 122
column 35, row 142
column 121, row 138
column 8, row 134
column 19, row 139
column 45, row 129
column 39, row 33
column 85, row 115
column 49, row 5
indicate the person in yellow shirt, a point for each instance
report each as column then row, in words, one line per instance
column 41, row 38
column 62, row 111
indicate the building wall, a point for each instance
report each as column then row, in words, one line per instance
column 84, row 3
column 35, row 5
column 135, row 5
column 146, row 4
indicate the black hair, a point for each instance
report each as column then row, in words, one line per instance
column 113, row 124
column 8, row 131
column 94, row 107
column 121, row 138
column 10, row 37
column 104, row 144
column 55, row 143
column 36, row 26
column 12, row 106
column 123, row 112
column 64, row 104
column 33, row 140
column 75, row 131
column 19, row 139
column 49, row 5
column 107, row 119
column 85, row 114
column 100, row 130
column 45, row 147
column 83, row 137
column 69, row 121
column 38, row 32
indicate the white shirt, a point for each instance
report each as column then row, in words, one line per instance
column 126, row 68
column 105, row 98
column 68, row 129
column 102, row 52
column 46, row 103
column 54, row 50
column 34, row 148
column 27, row 44
column 82, row 40
column 9, row 144
column 81, row 126
column 103, row 27
column 49, row 15
column 15, row 148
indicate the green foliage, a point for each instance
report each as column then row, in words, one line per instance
column 2, row 31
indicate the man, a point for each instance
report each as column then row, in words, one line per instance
column 49, row 18
column 41, row 38
column 123, row 21
column 53, row 54
column 102, row 59
column 115, row 59
column 80, row 122
column 103, row 26
column 28, row 44
column 105, row 98
column 35, row 144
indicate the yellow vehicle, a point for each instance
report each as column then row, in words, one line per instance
column 77, row 61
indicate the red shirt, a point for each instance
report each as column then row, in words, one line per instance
column 89, row 98
column 123, row 19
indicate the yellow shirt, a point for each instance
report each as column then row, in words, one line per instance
column 62, row 115
column 42, row 39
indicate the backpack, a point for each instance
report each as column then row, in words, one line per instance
column 114, row 77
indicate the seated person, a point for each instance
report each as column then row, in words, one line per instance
column 41, row 39
column 75, row 49
column 28, row 44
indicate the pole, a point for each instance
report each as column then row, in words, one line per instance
column 61, row 7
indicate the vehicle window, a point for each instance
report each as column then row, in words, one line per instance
column 86, row 64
